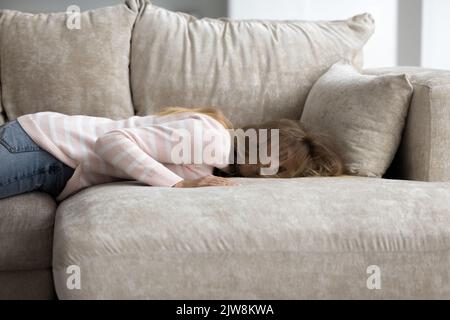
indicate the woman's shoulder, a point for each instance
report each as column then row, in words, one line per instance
column 209, row 121
column 203, row 119
column 41, row 116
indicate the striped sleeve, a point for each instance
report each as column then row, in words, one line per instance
column 128, row 150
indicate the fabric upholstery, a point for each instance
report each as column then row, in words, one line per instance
column 364, row 115
column 252, row 70
column 315, row 239
column 2, row 116
column 27, row 285
column 424, row 153
column 48, row 67
column 2, row 112
column 26, row 232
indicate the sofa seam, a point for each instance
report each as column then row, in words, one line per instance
column 274, row 251
column 140, row 10
column 430, row 132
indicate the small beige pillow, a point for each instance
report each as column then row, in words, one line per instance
column 365, row 116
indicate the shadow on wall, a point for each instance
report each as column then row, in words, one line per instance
column 199, row 8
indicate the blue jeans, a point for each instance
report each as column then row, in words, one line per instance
column 25, row 167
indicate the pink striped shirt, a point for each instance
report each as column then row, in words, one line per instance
column 146, row 149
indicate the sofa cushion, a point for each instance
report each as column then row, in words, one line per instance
column 265, row 239
column 48, row 67
column 253, row 70
column 27, row 285
column 363, row 114
column 26, row 231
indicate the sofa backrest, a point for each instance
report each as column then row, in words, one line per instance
column 48, row 66
column 253, row 70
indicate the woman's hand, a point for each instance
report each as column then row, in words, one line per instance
column 205, row 182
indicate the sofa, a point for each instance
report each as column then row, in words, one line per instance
column 299, row 238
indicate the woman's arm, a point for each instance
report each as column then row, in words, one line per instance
column 119, row 149
column 140, row 152
column 205, row 182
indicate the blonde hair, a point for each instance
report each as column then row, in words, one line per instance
column 209, row 111
column 313, row 155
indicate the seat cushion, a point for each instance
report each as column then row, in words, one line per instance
column 253, row 70
column 26, row 231
column 265, row 239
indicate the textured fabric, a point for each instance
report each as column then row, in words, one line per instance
column 26, row 232
column 424, row 153
column 2, row 115
column 27, row 285
column 315, row 239
column 48, row 67
column 137, row 148
column 364, row 115
column 252, row 70
column 26, row 167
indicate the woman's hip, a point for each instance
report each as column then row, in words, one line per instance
column 25, row 166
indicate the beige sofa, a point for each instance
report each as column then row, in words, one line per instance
column 303, row 238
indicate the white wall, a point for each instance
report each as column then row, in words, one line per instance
column 435, row 34
column 381, row 51
column 201, row 8
column 267, row 9
column 409, row 32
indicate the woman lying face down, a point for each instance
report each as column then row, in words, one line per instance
column 297, row 152
column 73, row 152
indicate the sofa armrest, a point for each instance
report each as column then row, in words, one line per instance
column 424, row 153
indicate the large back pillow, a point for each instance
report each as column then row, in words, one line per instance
column 46, row 66
column 252, row 70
